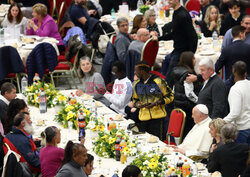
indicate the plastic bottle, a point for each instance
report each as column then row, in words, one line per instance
column 194, row 170
column 81, row 125
column 113, row 13
column 123, row 144
column 24, row 84
column 179, row 163
column 117, row 148
column 36, row 78
column 43, row 102
column 186, row 168
column 139, row 4
column 215, row 39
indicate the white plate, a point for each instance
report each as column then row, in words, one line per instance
column 28, row 47
column 206, row 53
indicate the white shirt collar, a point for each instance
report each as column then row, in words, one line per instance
column 4, row 99
column 204, row 121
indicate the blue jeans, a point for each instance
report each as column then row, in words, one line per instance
column 243, row 137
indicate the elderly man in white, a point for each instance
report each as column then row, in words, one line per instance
column 198, row 140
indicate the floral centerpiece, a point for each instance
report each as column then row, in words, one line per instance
column 96, row 124
column 104, row 144
column 151, row 164
column 70, row 112
column 53, row 96
column 144, row 8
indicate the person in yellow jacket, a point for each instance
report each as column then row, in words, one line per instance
column 150, row 95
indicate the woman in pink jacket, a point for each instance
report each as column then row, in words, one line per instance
column 43, row 25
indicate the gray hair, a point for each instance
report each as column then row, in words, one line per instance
column 120, row 20
column 229, row 133
column 207, row 62
column 148, row 13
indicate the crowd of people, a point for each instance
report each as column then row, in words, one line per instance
column 217, row 126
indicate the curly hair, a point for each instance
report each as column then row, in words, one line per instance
column 218, row 19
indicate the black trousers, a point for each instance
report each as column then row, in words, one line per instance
column 153, row 126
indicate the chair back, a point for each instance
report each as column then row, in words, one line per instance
column 61, row 5
column 177, row 123
column 149, row 51
column 112, row 38
column 53, row 11
column 42, row 57
column 193, row 5
column 10, row 62
column 131, row 59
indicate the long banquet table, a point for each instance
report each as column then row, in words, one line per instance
column 104, row 166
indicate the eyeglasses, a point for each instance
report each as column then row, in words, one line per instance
column 122, row 26
column 152, row 15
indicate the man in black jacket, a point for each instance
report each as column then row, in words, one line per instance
column 183, row 34
column 213, row 93
column 230, row 158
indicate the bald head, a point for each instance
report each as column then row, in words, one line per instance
column 143, row 34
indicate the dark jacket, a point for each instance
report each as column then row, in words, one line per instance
column 237, row 51
column 3, row 112
column 109, row 59
column 10, row 62
column 42, row 57
column 25, row 145
column 230, row 22
column 131, row 59
column 205, row 30
column 229, row 159
column 214, row 96
column 179, row 75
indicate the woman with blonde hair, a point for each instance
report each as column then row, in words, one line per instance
column 150, row 17
column 215, row 126
column 43, row 25
column 211, row 23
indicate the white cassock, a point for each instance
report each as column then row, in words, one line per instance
column 198, row 140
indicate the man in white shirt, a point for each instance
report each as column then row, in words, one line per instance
column 122, row 89
column 198, row 140
column 239, row 102
column 8, row 93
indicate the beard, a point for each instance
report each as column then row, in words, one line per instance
column 82, row 3
column 28, row 128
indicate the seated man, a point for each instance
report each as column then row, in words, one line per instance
column 122, row 40
column 142, row 36
column 230, row 158
column 198, row 140
column 122, row 89
column 20, row 140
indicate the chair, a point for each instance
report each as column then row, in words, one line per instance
column 62, row 69
column 193, row 5
column 248, row 11
column 41, row 60
column 53, row 11
column 176, row 124
column 11, row 65
column 61, row 6
column 132, row 58
column 149, row 52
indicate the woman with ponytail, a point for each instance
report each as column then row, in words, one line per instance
column 51, row 156
column 75, row 155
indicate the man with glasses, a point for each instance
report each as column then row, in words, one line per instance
column 122, row 40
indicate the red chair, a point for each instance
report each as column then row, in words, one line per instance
column 61, row 6
column 193, row 5
column 52, row 4
column 149, row 52
column 248, row 11
column 176, row 124
column 68, row 2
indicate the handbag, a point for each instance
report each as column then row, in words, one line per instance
column 103, row 40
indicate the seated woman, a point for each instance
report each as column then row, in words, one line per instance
column 43, row 25
column 16, row 106
column 15, row 19
column 93, row 83
column 138, row 22
column 211, row 23
column 229, row 159
column 88, row 166
column 51, row 156
column 150, row 18
column 75, row 156
column 215, row 126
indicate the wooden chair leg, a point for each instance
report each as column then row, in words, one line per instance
column 18, row 83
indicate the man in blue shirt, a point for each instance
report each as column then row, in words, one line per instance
column 228, row 38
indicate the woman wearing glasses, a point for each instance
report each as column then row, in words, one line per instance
column 150, row 17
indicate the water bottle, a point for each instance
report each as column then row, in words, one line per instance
column 139, row 4
column 113, row 13
column 215, row 39
column 81, row 125
column 117, row 148
column 24, row 84
column 43, row 102
column 194, row 170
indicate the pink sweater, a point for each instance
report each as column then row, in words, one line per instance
column 51, row 158
column 48, row 28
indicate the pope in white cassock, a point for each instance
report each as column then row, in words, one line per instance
column 198, row 140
